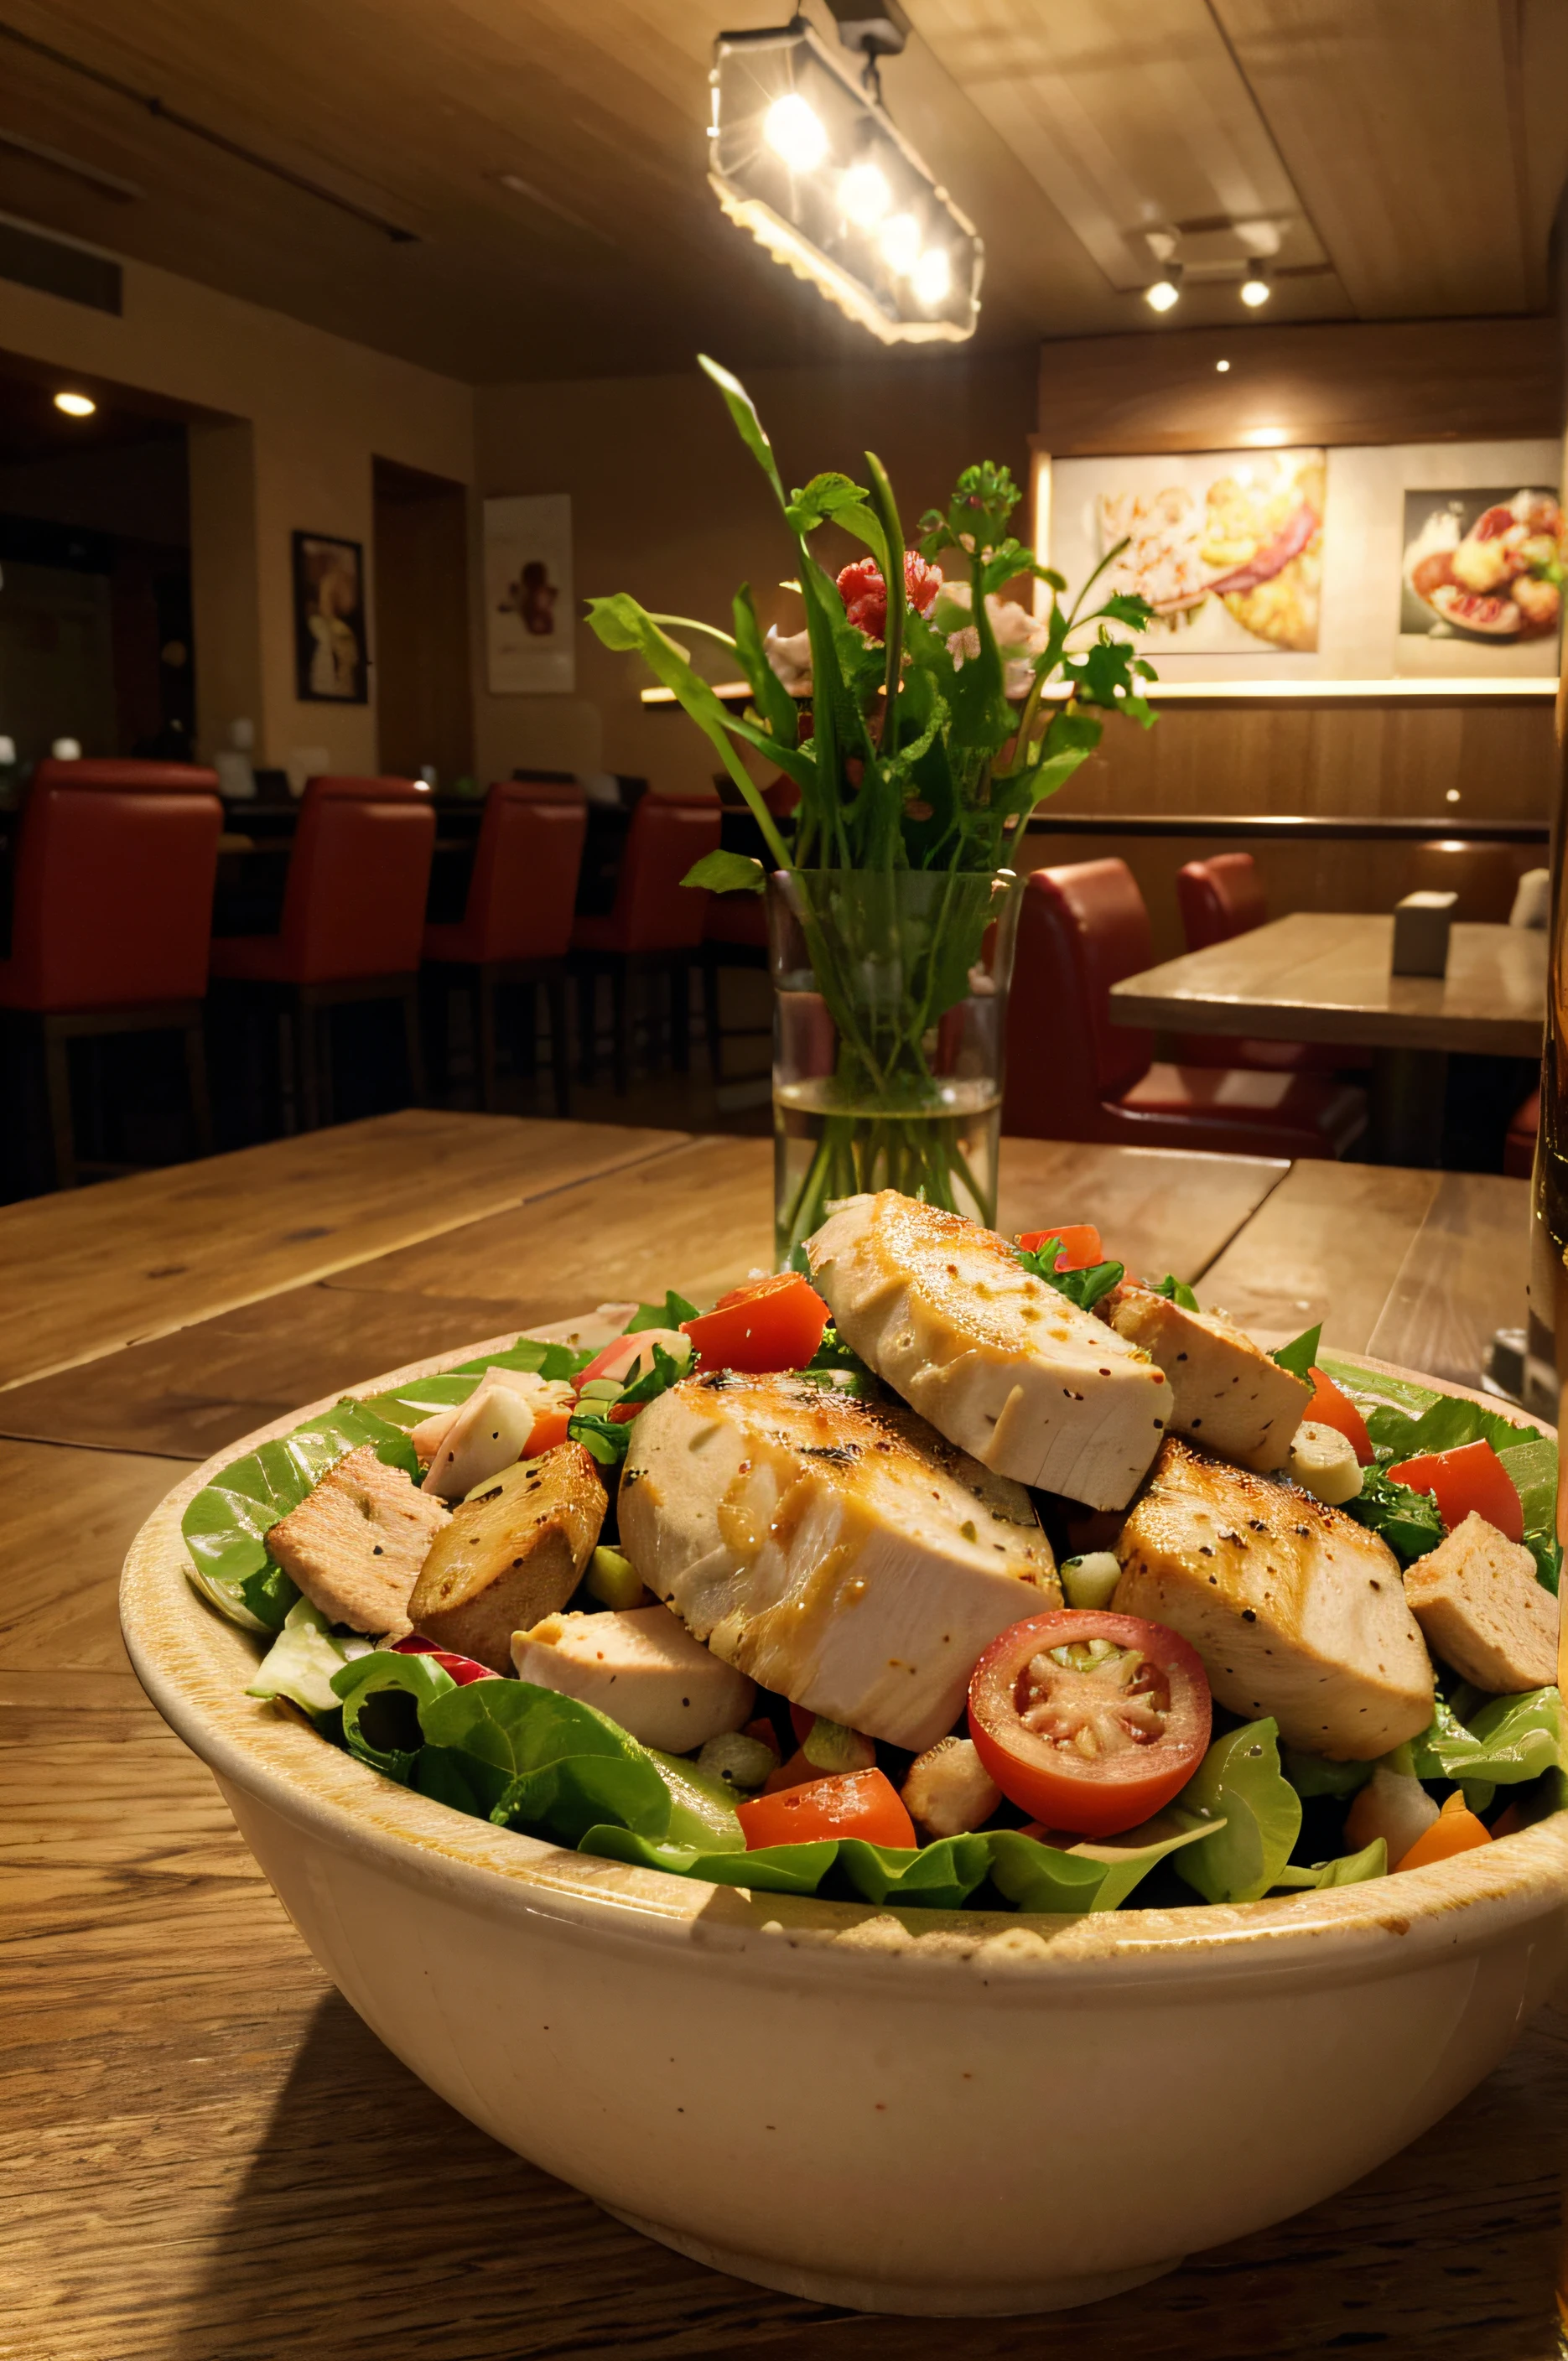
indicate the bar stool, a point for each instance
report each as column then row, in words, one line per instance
column 112, row 915
column 1072, row 1074
column 654, row 929
column 517, row 921
column 353, row 924
column 1220, row 898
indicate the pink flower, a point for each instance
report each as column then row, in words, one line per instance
column 864, row 593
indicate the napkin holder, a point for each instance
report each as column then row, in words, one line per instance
column 1421, row 926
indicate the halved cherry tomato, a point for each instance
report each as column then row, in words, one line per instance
column 1331, row 1406
column 1473, row 1477
column 1088, row 1720
column 1079, row 1244
column 796, row 1772
column 858, row 1804
column 773, row 1323
column 1455, row 1830
column 463, row 1669
column 549, row 1428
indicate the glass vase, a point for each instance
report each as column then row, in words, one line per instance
column 890, row 1021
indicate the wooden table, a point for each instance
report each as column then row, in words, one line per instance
column 206, row 2157
column 1324, row 976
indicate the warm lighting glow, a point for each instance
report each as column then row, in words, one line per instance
column 1222, row 367
column 1165, row 291
column 864, row 194
column 1265, row 438
column 792, row 129
column 901, row 242
column 933, row 276
column 75, row 405
column 1255, row 289
column 1452, row 796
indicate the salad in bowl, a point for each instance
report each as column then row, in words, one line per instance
column 945, row 1572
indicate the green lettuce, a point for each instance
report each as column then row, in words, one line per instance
column 668, row 1314
column 1176, row 1290
column 1350, row 1869
column 1083, row 1287
column 1409, row 1522
column 409, row 1406
column 545, row 1762
column 1240, row 1782
column 302, row 1659
column 1299, row 1357
column 1446, row 1425
column 378, row 1726
column 1500, row 1742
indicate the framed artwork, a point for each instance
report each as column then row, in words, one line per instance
column 330, row 650
column 530, row 612
column 1482, row 568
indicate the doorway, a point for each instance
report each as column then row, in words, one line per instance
column 423, row 689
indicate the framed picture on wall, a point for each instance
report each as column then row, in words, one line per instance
column 530, row 613
column 1482, row 568
column 330, row 665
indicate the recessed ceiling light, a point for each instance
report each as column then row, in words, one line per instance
column 75, row 405
column 1265, row 438
column 1222, row 367
column 1166, row 290
column 1256, row 287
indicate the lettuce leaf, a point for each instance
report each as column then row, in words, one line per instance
column 1083, row 1287
column 668, row 1314
column 1499, row 1740
column 300, row 1662
column 1350, row 1869
column 1446, row 1425
column 224, row 1526
column 546, row 1762
column 939, row 1876
column 1176, row 1290
column 1409, row 1522
column 1299, row 1357
column 376, row 1685
column 1240, row 1782
column 409, row 1406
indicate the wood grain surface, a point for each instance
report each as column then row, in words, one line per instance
column 205, row 2157
column 91, row 1269
column 1324, row 976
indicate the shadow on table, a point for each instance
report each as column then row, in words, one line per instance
column 375, row 2222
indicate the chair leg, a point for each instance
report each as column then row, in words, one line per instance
column 619, row 1044
column 560, row 1048
column 484, row 1035
column 57, row 1084
column 307, row 1088
column 710, row 1013
column 412, row 1041
column 587, row 1027
column 196, row 1083
column 681, row 1017
column 327, row 1108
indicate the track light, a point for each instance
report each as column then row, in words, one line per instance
column 1256, row 287
column 1166, row 290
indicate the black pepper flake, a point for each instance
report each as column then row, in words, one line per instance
column 1249, row 1615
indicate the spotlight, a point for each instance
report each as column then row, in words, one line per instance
column 901, row 243
column 932, row 277
column 75, row 405
column 792, row 129
column 864, row 194
column 1222, row 367
column 1255, row 286
column 1166, row 290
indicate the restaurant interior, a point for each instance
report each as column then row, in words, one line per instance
column 454, row 455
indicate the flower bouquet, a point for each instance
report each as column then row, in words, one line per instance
column 926, row 742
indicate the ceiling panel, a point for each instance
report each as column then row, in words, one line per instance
column 1395, row 119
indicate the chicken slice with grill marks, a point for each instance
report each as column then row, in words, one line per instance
column 1296, row 1609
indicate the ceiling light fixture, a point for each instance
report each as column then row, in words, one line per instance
column 1256, row 287
column 806, row 159
column 1165, row 291
column 75, row 405
column 1222, row 367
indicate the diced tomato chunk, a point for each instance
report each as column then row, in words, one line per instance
column 1079, row 1244
column 773, row 1323
column 1331, row 1406
column 1473, row 1477
column 549, row 1428
column 463, row 1669
column 858, row 1804
column 1455, row 1830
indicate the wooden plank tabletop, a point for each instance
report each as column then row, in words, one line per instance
column 203, row 2154
column 1324, row 976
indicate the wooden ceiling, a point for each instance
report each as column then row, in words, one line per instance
column 513, row 189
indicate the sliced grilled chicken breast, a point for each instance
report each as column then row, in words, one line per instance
column 840, row 1552
column 1000, row 1363
column 1228, row 1394
column 1296, row 1609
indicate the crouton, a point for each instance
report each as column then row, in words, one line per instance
column 356, row 1541
column 1482, row 1609
column 511, row 1555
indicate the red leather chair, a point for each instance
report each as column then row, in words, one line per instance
column 112, row 911
column 1519, row 1143
column 516, row 925
column 353, row 923
column 656, row 926
column 1220, row 898
column 1072, row 1074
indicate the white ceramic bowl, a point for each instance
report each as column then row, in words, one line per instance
column 920, row 2112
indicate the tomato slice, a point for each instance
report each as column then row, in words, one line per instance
column 1079, row 1244
column 1473, row 1477
column 858, row 1804
column 773, row 1323
column 1331, row 1406
column 463, row 1669
column 1088, row 1720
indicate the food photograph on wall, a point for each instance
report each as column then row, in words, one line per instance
column 1483, row 566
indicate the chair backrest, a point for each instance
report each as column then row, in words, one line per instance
column 653, row 912
column 127, row 778
column 1080, row 930
column 523, row 888
column 358, row 875
column 1220, row 897
column 113, row 899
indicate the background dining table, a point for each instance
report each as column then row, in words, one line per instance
column 206, row 2157
column 1325, row 976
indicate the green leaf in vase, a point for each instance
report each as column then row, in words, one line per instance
column 728, row 872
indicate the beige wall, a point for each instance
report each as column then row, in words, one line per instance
column 667, row 504
column 316, row 410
